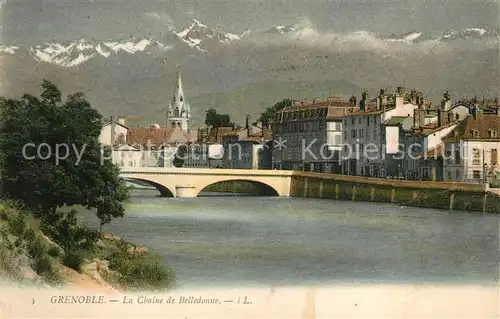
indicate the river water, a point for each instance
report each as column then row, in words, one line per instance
column 245, row 241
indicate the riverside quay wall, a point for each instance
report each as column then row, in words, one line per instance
column 441, row 195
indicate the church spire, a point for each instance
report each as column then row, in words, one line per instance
column 178, row 113
column 179, row 81
column 178, row 98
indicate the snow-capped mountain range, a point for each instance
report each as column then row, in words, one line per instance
column 197, row 32
column 196, row 36
column 467, row 34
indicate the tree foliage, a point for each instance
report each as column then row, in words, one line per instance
column 213, row 119
column 268, row 115
column 80, row 175
column 179, row 156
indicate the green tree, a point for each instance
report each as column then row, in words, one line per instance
column 51, row 156
column 269, row 113
column 211, row 117
column 179, row 156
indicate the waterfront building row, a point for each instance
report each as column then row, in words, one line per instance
column 454, row 142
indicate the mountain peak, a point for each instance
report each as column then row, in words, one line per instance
column 197, row 32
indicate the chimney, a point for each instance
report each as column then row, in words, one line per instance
column 416, row 118
column 442, row 117
column 248, row 127
column 400, row 95
column 364, row 100
column 421, row 116
column 362, row 105
column 413, row 96
column 381, row 100
column 446, row 101
column 113, row 130
column 352, row 100
column 473, row 112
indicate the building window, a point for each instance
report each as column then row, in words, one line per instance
column 353, row 121
column 338, row 126
column 353, row 133
column 493, row 134
column 476, row 175
column 338, row 140
column 494, row 157
column 361, row 132
column 368, row 121
column 449, row 175
column 476, row 157
column 457, row 174
column 359, row 120
column 475, row 133
column 457, row 157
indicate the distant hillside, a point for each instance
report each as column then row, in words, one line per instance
column 254, row 98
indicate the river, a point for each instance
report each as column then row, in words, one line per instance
column 246, row 241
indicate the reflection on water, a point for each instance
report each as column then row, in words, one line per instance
column 228, row 240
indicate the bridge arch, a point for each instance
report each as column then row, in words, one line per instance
column 189, row 182
column 164, row 191
column 242, row 185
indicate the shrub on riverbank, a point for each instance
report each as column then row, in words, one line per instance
column 24, row 251
column 27, row 254
column 139, row 270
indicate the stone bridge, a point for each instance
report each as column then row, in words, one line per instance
column 189, row 182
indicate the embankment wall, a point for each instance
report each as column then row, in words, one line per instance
column 441, row 195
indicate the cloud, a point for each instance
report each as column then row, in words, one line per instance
column 305, row 35
column 163, row 17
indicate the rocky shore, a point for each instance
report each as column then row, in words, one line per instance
column 30, row 258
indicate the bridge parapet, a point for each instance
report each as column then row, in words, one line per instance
column 189, row 182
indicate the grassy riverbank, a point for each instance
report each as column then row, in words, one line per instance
column 31, row 255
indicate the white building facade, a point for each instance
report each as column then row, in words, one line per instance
column 308, row 135
column 367, row 140
column 113, row 132
column 473, row 149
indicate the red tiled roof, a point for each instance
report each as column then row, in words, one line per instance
column 483, row 124
column 435, row 152
column 431, row 128
column 329, row 109
column 373, row 110
column 319, row 104
column 144, row 135
column 216, row 135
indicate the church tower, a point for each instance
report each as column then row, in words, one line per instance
column 179, row 112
